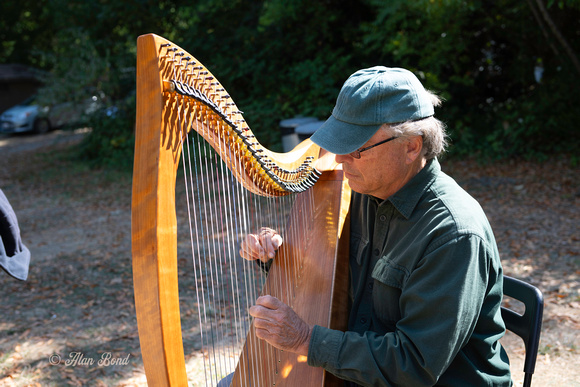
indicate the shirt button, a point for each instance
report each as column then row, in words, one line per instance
column 370, row 286
column 376, row 252
column 383, row 218
column 363, row 320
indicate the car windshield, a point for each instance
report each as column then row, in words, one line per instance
column 28, row 101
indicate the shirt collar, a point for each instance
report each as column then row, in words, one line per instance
column 405, row 200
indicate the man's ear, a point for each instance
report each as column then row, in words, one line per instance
column 414, row 148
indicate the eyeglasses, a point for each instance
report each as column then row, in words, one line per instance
column 356, row 153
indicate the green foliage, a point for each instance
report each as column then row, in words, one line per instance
column 77, row 69
column 481, row 56
column 111, row 141
column 24, row 26
column 279, row 59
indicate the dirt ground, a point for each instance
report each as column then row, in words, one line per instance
column 73, row 321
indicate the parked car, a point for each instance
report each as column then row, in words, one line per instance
column 29, row 116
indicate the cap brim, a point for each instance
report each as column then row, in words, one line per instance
column 340, row 137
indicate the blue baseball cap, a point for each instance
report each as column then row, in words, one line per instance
column 368, row 99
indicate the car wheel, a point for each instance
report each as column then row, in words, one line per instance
column 41, row 125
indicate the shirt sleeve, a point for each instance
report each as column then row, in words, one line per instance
column 440, row 304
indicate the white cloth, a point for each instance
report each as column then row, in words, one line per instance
column 14, row 256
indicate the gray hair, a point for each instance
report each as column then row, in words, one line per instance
column 430, row 129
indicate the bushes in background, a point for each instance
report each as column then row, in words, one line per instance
column 279, row 59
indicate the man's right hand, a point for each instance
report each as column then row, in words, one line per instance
column 261, row 246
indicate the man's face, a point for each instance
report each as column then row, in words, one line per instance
column 383, row 170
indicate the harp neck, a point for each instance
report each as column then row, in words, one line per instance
column 191, row 94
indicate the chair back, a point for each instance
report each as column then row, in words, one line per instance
column 528, row 326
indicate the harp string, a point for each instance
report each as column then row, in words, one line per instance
column 210, row 264
column 195, row 245
column 220, row 212
column 228, row 182
column 222, row 267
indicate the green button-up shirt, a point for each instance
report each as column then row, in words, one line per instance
column 425, row 293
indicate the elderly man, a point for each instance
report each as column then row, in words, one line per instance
column 425, row 272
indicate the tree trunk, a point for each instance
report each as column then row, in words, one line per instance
column 558, row 35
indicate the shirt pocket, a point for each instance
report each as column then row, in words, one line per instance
column 389, row 279
column 358, row 248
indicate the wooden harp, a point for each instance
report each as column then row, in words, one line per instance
column 177, row 95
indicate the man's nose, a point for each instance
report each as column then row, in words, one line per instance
column 341, row 158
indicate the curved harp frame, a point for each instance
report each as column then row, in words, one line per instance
column 171, row 82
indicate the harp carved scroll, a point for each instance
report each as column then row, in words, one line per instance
column 182, row 110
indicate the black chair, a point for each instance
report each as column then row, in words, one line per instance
column 528, row 325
